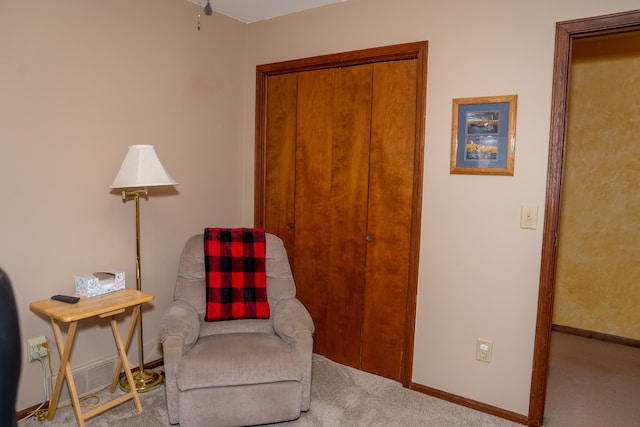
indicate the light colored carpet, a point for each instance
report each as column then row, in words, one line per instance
column 340, row 396
column 592, row 383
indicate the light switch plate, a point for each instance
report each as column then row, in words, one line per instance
column 529, row 216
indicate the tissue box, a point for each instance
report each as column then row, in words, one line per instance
column 94, row 284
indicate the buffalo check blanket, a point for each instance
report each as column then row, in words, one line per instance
column 235, row 274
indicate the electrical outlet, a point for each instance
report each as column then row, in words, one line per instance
column 484, row 350
column 35, row 347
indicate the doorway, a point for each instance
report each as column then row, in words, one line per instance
column 566, row 33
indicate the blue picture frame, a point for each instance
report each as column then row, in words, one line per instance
column 483, row 135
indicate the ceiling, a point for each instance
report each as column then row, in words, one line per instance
column 249, row 11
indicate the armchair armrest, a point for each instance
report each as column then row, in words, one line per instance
column 180, row 321
column 292, row 322
column 290, row 319
column 179, row 330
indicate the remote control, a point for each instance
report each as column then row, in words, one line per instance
column 66, row 298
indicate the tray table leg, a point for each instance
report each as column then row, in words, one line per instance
column 64, row 372
column 127, row 341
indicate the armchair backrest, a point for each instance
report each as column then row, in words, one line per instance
column 191, row 282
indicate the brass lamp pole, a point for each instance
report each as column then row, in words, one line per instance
column 145, row 380
column 140, row 169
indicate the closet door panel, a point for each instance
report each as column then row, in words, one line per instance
column 313, row 198
column 389, row 216
column 348, row 211
column 280, row 150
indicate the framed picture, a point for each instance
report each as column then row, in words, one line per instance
column 483, row 135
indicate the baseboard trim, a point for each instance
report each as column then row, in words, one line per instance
column 469, row 403
column 25, row 412
column 597, row 335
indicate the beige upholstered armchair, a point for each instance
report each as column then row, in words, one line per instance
column 236, row 372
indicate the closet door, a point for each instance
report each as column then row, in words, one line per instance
column 389, row 213
column 338, row 178
column 312, row 262
column 354, row 193
column 332, row 174
column 348, row 212
column 280, row 152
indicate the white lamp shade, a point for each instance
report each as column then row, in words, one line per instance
column 141, row 167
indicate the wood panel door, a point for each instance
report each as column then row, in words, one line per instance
column 280, row 154
column 332, row 174
column 389, row 215
column 338, row 178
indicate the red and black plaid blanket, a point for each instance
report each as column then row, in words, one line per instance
column 235, row 274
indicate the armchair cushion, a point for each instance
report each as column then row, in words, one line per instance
column 238, row 359
column 235, row 274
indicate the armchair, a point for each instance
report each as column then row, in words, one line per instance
column 236, row 372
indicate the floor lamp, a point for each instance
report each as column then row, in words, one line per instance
column 141, row 168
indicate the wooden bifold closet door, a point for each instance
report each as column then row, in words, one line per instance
column 340, row 188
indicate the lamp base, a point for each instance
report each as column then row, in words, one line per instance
column 145, row 380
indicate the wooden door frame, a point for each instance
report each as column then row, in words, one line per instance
column 566, row 32
column 415, row 50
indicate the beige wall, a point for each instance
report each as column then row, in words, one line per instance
column 79, row 81
column 598, row 252
column 479, row 271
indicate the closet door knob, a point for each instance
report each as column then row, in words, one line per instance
column 290, row 226
column 369, row 237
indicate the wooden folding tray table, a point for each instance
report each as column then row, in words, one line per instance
column 102, row 306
